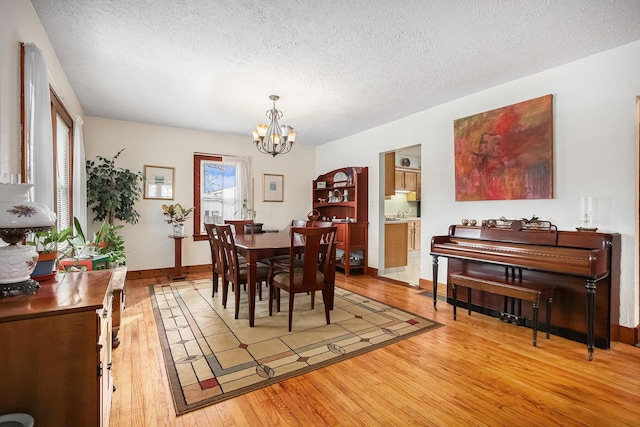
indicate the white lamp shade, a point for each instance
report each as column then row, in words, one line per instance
column 16, row 211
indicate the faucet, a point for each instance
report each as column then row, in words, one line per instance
column 401, row 214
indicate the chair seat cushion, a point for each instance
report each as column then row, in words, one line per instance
column 261, row 269
column 284, row 263
column 283, row 277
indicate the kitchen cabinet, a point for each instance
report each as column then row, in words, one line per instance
column 56, row 351
column 413, row 234
column 407, row 179
column 400, row 179
column 389, row 175
column 414, row 196
column 340, row 194
column 395, row 242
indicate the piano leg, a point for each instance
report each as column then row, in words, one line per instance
column 549, row 301
column 435, row 281
column 535, row 323
column 469, row 300
column 591, row 298
column 454, row 291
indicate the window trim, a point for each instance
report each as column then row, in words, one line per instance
column 198, row 158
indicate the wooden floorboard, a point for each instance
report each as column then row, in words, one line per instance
column 475, row 371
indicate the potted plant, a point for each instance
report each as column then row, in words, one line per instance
column 112, row 191
column 80, row 246
column 105, row 242
column 177, row 216
column 46, row 243
column 113, row 245
column 247, row 213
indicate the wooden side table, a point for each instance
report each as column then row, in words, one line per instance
column 177, row 270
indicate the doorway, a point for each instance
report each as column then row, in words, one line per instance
column 401, row 200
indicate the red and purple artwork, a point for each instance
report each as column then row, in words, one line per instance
column 506, row 153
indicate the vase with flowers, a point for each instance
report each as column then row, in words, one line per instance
column 177, row 215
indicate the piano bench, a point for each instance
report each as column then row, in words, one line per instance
column 508, row 287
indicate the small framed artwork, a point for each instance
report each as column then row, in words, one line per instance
column 272, row 188
column 321, row 184
column 159, row 182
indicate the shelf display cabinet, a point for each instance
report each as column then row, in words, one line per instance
column 341, row 196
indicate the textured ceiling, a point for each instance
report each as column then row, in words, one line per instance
column 339, row 66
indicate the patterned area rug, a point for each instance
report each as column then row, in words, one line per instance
column 210, row 356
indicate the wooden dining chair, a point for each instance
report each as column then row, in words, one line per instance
column 318, row 244
column 284, row 259
column 238, row 224
column 236, row 273
column 217, row 260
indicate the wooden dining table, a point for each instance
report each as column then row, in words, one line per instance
column 255, row 247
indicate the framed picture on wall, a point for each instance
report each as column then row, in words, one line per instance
column 159, row 182
column 272, row 188
column 506, row 153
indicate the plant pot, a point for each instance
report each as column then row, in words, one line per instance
column 45, row 267
column 178, row 229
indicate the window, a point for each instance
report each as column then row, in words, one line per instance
column 62, row 126
column 219, row 188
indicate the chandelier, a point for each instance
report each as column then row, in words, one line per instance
column 274, row 139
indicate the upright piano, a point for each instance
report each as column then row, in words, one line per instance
column 576, row 263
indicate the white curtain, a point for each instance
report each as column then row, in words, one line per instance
column 235, row 187
column 39, row 147
column 79, row 175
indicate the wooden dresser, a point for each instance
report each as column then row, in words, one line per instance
column 55, row 351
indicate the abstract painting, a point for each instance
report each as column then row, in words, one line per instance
column 506, row 153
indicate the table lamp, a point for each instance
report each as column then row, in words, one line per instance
column 19, row 217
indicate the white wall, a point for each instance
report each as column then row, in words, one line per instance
column 20, row 24
column 594, row 154
column 147, row 243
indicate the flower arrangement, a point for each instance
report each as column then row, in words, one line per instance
column 176, row 213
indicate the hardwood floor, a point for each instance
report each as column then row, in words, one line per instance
column 475, row 371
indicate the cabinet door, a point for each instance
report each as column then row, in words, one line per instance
column 341, row 235
column 410, row 181
column 389, row 174
column 399, row 180
column 395, row 242
column 416, row 235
